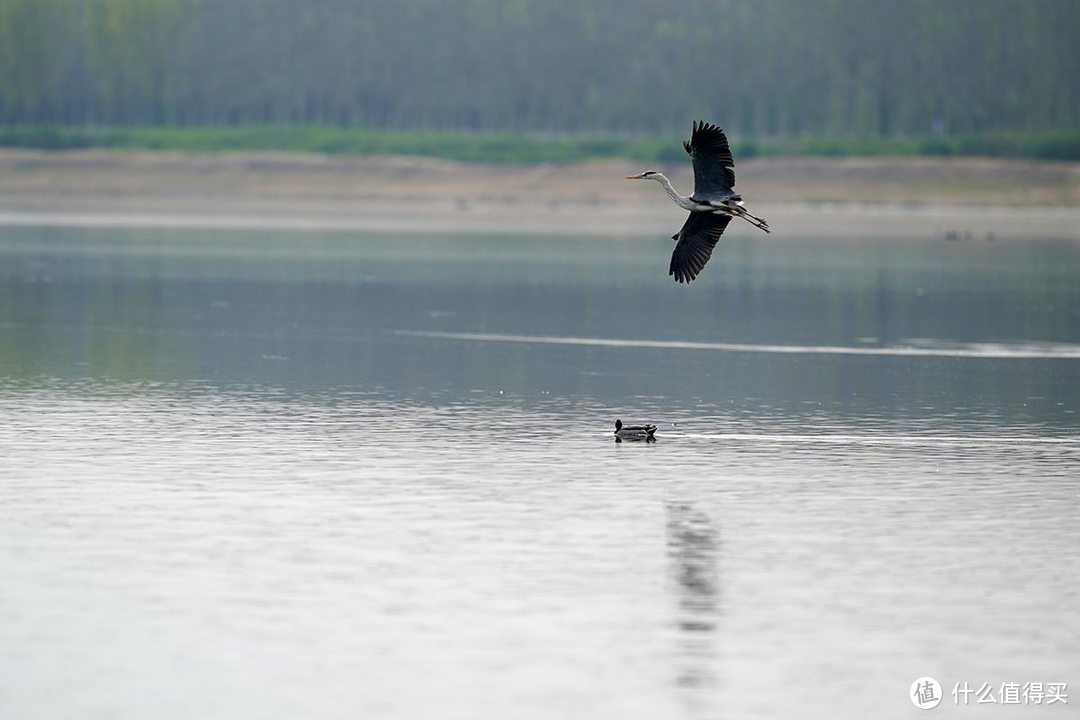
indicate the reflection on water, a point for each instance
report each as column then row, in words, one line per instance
column 907, row 349
column 692, row 547
column 336, row 476
column 590, row 319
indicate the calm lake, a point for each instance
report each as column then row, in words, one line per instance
column 360, row 475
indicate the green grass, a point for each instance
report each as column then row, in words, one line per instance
column 518, row 149
column 1063, row 145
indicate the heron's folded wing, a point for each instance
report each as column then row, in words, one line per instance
column 695, row 244
column 713, row 165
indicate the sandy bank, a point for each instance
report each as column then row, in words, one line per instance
column 962, row 198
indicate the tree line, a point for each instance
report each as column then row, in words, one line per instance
column 770, row 68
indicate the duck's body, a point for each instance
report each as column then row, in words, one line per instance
column 634, row 432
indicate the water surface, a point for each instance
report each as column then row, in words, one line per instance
column 280, row 475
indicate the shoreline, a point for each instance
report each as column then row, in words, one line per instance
column 958, row 198
column 951, row 223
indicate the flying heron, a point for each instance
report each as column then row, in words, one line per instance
column 712, row 205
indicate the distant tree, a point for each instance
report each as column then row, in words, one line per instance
column 770, row 67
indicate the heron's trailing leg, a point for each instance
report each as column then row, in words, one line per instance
column 736, row 208
column 754, row 220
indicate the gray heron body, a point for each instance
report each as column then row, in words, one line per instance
column 712, row 205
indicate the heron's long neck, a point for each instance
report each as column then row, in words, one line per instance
column 680, row 200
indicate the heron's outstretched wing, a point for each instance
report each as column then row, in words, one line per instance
column 695, row 244
column 713, row 165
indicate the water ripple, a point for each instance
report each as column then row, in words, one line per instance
column 923, row 348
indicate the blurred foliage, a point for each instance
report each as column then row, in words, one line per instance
column 519, row 148
column 947, row 77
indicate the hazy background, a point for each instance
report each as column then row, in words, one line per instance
column 295, row 436
column 775, row 68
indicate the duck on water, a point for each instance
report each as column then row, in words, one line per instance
column 634, row 432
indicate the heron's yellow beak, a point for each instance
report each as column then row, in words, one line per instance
column 633, row 177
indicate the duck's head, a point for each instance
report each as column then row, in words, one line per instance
column 618, row 425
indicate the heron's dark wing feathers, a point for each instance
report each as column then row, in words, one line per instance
column 710, row 152
column 695, row 244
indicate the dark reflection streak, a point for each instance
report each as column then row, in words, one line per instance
column 693, row 547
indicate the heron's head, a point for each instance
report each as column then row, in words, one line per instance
column 647, row 175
